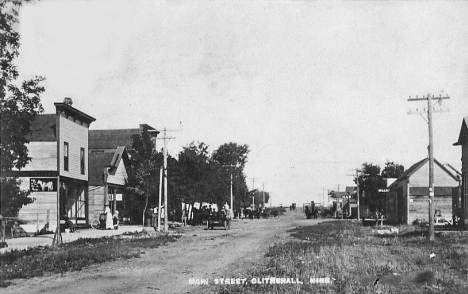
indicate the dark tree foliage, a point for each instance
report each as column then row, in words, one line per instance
column 19, row 104
column 195, row 176
column 194, row 171
column 370, row 182
column 257, row 195
column 143, row 177
column 231, row 154
column 371, row 179
column 12, row 198
column 232, row 158
column 392, row 170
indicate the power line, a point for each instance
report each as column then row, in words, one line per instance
column 165, row 138
column 430, row 110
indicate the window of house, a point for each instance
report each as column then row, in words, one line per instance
column 78, row 209
column 82, row 160
column 65, row 156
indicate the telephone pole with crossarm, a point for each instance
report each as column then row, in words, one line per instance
column 430, row 110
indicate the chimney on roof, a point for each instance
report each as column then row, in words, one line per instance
column 68, row 101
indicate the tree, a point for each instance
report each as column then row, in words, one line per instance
column 19, row 106
column 193, row 173
column 258, row 195
column 392, row 170
column 371, row 179
column 231, row 154
column 143, row 179
column 232, row 157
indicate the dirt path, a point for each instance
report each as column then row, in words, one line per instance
column 198, row 254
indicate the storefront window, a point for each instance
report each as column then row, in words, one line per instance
column 65, row 156
column 82, row 160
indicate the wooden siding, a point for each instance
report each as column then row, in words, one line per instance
column 44, row 156
column 77, row 137
column 35, row 214
column 419, row 207
column 400, row 204
column 120, row 175
column 96, row 202
column 464, row 158
column 441, row 178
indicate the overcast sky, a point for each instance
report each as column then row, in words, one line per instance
column 314, row 88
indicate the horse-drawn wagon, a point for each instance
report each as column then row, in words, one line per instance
column 219, row 219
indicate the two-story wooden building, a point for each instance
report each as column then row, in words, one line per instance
column 57, row 175
column 108, row 173
column 463, row 142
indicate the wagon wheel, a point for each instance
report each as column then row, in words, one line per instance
column 95, row 224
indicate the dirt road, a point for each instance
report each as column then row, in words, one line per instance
column 199, row 255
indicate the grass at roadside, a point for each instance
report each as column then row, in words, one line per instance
column 75, row 255
column 352, row 257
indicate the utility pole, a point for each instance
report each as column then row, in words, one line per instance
column 263, row 196
column 253, row 196
column 57, row 240
column 429, row 99
column 231, row 166
column 232, row 201
column 159, row 198
column 165, row 138
column 357, row 192
column 166, row 220
column 323, row 197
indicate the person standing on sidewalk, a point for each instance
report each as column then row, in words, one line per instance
column 109, row 223
column 116, row 220
column 184, row 216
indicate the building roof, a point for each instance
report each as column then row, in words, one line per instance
column 350, row 189
column 463, row 137
column 99, row 160
column 410, row 171
column 452, row 169
column 110, row 139
column 336, row 194
column 43, row 128
column 70, row 109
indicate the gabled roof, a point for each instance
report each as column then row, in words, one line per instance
column 43, row 128
column 410, row 171
column 463, row 137
column 351, row 189
column 452, row 169
column 110, row 139
column 99, row 160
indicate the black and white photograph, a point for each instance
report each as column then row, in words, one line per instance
column 272, row 146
